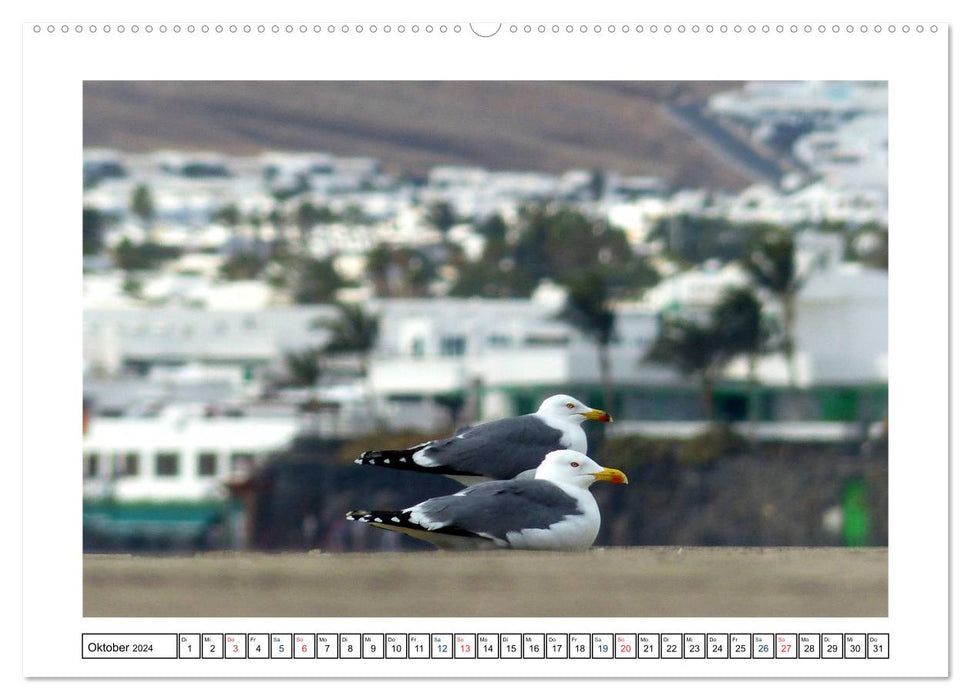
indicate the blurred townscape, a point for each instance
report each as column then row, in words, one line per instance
column 255, row 319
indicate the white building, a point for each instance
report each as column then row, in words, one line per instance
column 478, row 192
column 785, row 101
column 500, row 347
column 190, row 281
column 840, row 132
column 842, row 326
column 178, row 455
column 852, row 154
column 841, row 314
column 247, row 340
column 693, row 293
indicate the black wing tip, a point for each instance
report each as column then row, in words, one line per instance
column 369, row 457
column 400, row 521
column 379, row 517
column 392, row 459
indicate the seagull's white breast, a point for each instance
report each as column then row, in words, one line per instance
column 573, row 436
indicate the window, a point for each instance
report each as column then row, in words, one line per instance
column 166, row 464
column 499, row 341
column 242, row 462
column 207, row 464
column 90, row 465
column 453, row 346
column 547, row 340
column 125, row 464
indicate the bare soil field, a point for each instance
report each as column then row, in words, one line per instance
column 609, row 582
column 413, row 126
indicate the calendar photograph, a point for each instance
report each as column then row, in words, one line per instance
column 487, row 348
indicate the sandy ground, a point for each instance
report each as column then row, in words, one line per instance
column 615, row 582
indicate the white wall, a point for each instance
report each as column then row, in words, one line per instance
column 842, row 325
column 187, row 437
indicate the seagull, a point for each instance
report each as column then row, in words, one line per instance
column 507, row 448
column 555, row 510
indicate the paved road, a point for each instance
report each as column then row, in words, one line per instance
column 732, row 149
column 615, row 582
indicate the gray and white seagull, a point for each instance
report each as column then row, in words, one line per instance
column 507, row 448
column 555, row 510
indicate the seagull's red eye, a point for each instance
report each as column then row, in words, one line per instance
column 574, row 464
column 571, row 405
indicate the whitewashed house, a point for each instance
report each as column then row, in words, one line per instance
column 511, row 352
column 181, row 454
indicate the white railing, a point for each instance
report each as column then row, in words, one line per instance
column 786, row 431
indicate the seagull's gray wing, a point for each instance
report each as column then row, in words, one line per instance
column 497, row 508
column 499, row 449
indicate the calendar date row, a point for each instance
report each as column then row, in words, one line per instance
column 487, row 646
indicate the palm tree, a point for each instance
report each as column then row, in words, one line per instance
column 242, row 265
column 399, row 272
column 303, row 366
column 278, row 218
column 738, row 320
column 93, row 225
column 307, row 217
column 588, row 310
column 702, row 349
column 143, row 206
column 317, row 281
column 441, row 216
column 379, row 261
column 771, row 264
column 229, row 216
column 695, row 350
column 353, row 331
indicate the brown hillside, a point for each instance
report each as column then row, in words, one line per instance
column 552, row 126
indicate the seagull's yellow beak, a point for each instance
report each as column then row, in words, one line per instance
column 614, row 476
column 598, row 415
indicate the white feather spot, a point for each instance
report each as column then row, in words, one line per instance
column 422, row 460
column 387, row 461
column 418, row 517
column 378, row 520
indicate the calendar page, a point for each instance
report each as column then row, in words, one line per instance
column 452, row 344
